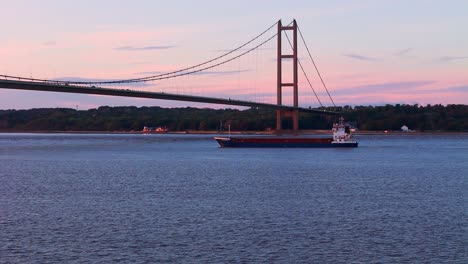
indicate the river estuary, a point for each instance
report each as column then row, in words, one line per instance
column 87, row 198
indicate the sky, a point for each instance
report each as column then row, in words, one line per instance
column 368, row 52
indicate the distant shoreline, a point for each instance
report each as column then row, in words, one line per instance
column 209, row 132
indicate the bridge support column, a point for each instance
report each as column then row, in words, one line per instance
column 278, row 120
column 294, row 113
column 295, row 117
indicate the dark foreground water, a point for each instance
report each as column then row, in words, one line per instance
column 165, row 198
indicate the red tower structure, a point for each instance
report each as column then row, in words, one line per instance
column 294, row 113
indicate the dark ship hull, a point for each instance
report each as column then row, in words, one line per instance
column 282, row 142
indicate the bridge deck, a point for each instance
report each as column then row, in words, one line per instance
column 64, row 88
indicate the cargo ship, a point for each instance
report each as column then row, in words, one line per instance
column 341, row 139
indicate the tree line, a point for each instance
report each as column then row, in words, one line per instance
column 129, row 118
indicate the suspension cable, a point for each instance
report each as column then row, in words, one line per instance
column 303, row 71
column 156, row 77
column 320, row 76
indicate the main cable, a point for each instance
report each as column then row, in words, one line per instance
column 157, row 78
column 154, row 77
column 320, row 76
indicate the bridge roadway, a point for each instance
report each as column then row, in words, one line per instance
column 65, row 88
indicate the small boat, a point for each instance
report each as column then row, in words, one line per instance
column 341, row 138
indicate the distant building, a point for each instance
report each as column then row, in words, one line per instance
column 148, row 130
column 405, row 129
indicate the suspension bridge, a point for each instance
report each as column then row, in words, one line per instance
column 282, row 109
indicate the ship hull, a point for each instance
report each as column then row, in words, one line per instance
column 281, row 142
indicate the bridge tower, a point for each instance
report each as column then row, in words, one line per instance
column 293, row 113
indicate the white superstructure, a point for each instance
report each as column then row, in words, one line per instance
column 342, row 133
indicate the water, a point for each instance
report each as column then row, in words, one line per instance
column 167, row 198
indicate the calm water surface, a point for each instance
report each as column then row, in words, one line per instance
column 167, row 198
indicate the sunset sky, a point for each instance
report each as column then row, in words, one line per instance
column 369, row 52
